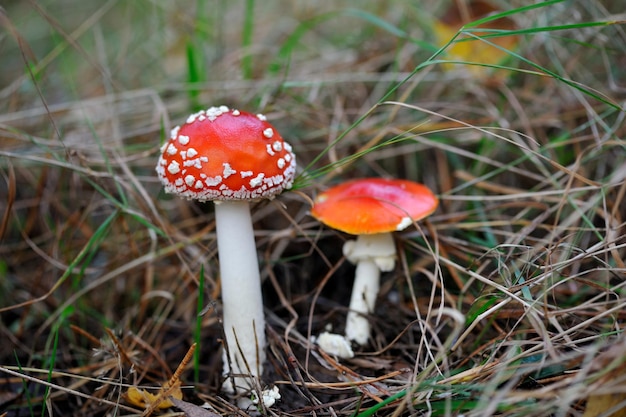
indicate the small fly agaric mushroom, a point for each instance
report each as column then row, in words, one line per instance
column 231, row 157
column 372, row 209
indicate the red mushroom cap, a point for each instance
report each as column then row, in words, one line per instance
column 224, row 154
column 374, row 205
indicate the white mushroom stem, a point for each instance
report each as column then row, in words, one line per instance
column 244, row 322
column 372, row 255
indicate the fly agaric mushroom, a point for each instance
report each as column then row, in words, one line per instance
column 231, row 157
column 372, row 209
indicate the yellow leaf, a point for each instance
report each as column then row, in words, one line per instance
column 598, row 405
column 473, row 50
column 144, row 399
column 608, row 392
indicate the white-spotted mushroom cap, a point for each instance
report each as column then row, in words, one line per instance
column 374, row 205
column 225, row 154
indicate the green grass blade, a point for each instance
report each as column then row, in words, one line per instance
column 511, row 12
column 247, row 34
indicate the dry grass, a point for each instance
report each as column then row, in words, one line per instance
column 502, row 301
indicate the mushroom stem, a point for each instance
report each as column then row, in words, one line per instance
column 371, row 254
column 243, row 319
column 362, row 301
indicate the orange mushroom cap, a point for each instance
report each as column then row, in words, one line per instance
column 374, row 205
column 224, row 154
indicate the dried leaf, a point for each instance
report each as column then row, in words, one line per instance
column 7, row 397
column 192, row 410
column 608, row 398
